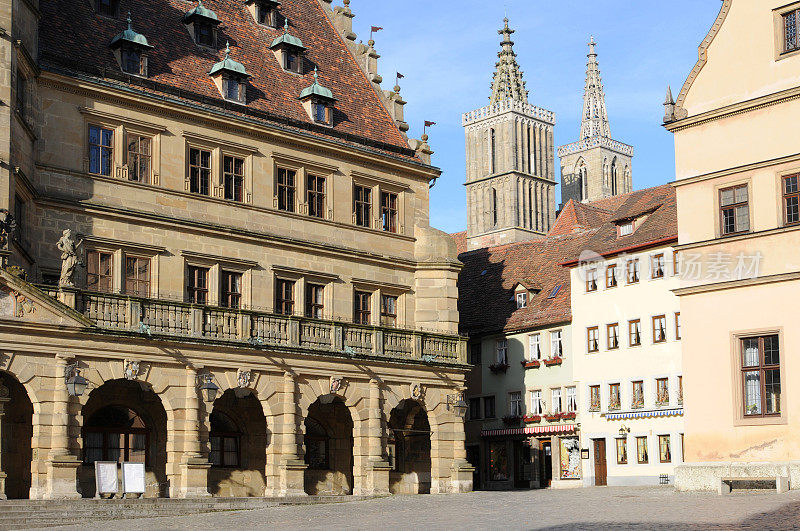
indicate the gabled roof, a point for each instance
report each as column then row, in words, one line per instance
column 490, row 276
column 73, row 37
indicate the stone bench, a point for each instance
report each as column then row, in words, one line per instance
column 726, row 483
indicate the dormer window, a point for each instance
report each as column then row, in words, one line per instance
column 264, row 11
column 107, row 8
column 289, row 50
column 202, row 25
column 130, row 49
column 626, row 228
column 230, row 77
column 522, row 300
column 318, row 102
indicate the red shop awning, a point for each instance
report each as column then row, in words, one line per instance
column 530, row 430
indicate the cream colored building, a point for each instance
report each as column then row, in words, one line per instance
column 249, row 219
column 627, row 343
column 737, row 164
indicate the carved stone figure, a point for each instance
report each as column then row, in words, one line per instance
column 243, row 379
column 417, row 391
column 8, row 226
column 336, row 384
column 131, row 370
column 69, row 247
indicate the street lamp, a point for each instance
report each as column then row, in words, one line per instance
column 76, row 384
column 458, row 404
column 624, row 431
column 208, row 387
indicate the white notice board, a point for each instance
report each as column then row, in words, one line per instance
column 105, row 474
column 133, row 478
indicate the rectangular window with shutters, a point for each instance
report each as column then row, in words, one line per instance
column 659, row 329
column 761, row 375
column 622, row 451
column 634, row 333
column 286, row 189
column 199, row 171
column 734, row 210
column 593, row 339
column 315, row 301
column 137, row 276
column 284, row 296
column 641, row 451
column 233, row 178
column 139, row 159
column 362, row 205
column 791, row 199
column 101, row 150
column 231, row 289
column 99, row 271
column 389, row 211
column 197, row 285
column 790, row 24
column 362, row 312
column 388, row 310
column 316, row 196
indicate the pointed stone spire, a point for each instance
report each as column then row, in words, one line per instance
column 595, row 117
column 669, row 106
column 508, row 83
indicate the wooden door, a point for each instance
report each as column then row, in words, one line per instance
column 600, row 468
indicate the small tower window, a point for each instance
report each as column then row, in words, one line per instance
column 230, row 77
column 130, row 49
column 202, row 25
column 318, row 102
column 289, row 50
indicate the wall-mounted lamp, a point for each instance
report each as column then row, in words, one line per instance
column 624, row 431
column 207, row 387
column 76, row 384
column 457, row 403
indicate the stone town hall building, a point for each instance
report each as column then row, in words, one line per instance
column 215, row 221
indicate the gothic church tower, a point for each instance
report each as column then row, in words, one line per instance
column 510, row 161
column 596, row 166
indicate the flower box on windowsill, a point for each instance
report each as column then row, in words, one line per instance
column 532, row 418
column 533, row 364
column 553, row 361
column 662, row 403
column 568, row 416
column 511, row 420
column 613, row 407
column 637, row 405
column 553, row 417
column 594, row 409
column 498, row 368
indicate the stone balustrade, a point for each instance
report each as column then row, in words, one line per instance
column 527, row 109
column 597, row 141
column 153, row 317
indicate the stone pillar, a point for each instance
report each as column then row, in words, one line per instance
column 291, row 466
column 461, row 470
column 3, row 401
column 376, row 468
column 194, row 466
column 62, row 467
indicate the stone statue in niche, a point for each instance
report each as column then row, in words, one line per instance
column 8, row 226
column 69, row 247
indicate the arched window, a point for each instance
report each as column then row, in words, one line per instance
column 614, row 183
column 581, row 185
column 492, row 151
column 317, row 446
column 494, row 207
column 116, row 433
column 226, row 441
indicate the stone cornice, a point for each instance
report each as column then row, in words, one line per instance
column 738, row 169
column 734, row 284
column 736, row 238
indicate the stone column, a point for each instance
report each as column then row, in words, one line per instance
column 62, row 467
column 4, row 399
column 291, row 467
column 461, row 469
column 194, row 466
column 376, row 468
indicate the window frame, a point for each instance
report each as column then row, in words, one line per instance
column 316, row 196
column 733, row 206
column 136, row 281
column 362, row 205
column 611, row 276
column 781, row 34
column 677, row 326
column 535, row 356
column 487, row 402
column 637, row 386
column 661, row 438
column 609, row 328
column 102, row 149
column 536, row 402
column 637, row 330
column 362, row 307
column 622, row 457
column 662, row 392
column 515, row 404
column 197, row 173
column 761, row 368
column 228, row 297
column 387, row 317
column 785, row 196
column 591, row 280
column 233, row 180
column 501, row 345
column 192, row 287
column 589, row 339
column 657, row 266
column 133, row 159
column 286, row 189
column 556, row 399
column 571, row 399
column 557, row 344
column 314, row 309
column 612, row 387
column 639, row 458
column 595, row 392
column 632, row 272
column 664, row 335
column 285, row 287
column 521, row 298
column 390, row 211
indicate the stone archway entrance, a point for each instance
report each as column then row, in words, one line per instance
column 125, row 421
column 410, row 449
column 238, row 446
column 16, row 430
column 329, row 447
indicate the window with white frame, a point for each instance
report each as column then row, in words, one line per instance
column 536, row 402
column 535, row 344
column 557, row 405
column 572, row 400
column 522, row 300
column 556, row 344
column 515, row 404
column 502, row 352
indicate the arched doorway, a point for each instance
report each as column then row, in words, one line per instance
column 409, row 449
column 16, row 430
column 238, row 446
column 125, row 421
column 329, row 447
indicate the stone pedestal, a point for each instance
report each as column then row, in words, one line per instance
column 461, row 476
column 376, row 478
column 62, row 478
column 194, row 478
column 292, row 478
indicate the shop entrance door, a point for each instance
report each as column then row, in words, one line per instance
column 547, row 464
column 600, row 468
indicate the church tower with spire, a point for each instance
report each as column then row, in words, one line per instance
column 596, row 166
column 510, row 160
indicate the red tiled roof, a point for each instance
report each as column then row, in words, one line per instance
column 487, row 282
column 73, row 37
column 461, row 241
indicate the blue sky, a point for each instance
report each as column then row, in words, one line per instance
column 447, row 49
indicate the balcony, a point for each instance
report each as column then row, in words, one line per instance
column 163, row 319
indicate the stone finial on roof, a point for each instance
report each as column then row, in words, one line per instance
column 595, row 116
column 288, row 39
column 229, row 65
column 669, row 106
column 507, row 83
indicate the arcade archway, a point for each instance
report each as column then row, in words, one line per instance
column 329, row 447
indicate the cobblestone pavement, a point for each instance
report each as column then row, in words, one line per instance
column 591, row 508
